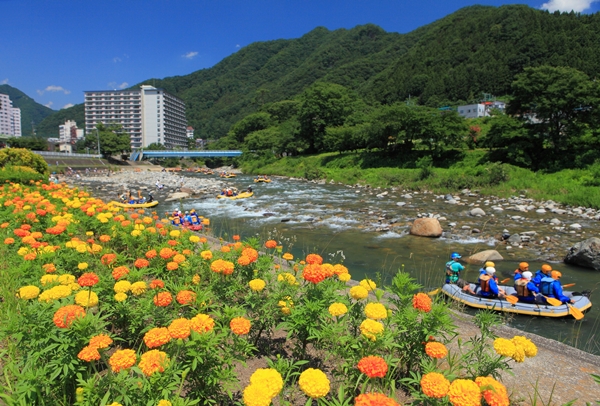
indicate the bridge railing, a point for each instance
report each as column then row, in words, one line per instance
column 66, row 154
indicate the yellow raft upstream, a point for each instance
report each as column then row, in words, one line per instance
column 242, row 195
column 262, row 180
column 134, row 205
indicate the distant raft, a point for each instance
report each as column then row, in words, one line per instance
column 242, row 195
column 262, row 180
column 581, row 302
column 134, row 205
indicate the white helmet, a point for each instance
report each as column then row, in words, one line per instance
column 527, row 275
column 490, row 270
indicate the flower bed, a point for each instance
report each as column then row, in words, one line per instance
column 108, row 308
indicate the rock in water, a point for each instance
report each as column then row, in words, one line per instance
column 585, row 253
column 426, row 227
column 483, row 256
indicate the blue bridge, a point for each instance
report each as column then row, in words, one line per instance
column 141, row 154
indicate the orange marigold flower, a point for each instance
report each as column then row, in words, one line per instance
column 104, row 238
column 4, row 225
column 186, row 252
column 222, row 266
column 225, row 249
column 108, row 259
column 9, row 241
column 240, row 326
column 156, row 337
column 49, row 268
column 464, row 392
column 88, row 279
column 122, row 359
column 157, row 284
column 89, row 354
column 141, row 263
column 373, row 366
column 236, row 237
column 172, row 243
column 19, row 232
column 185, row 297
column 153, row 361
column 494, row 392
column 30, row 257
column 243, row 260
column 435, row 385
column 100, row 341
column 202, row 323
column 179, row 258
column 26, row 227
column 314, row 273
column 314, row 259
column 374, row 399
column 64, row 317
column 179, row 328
column 271, row 244
column 166, row 253
column 422, row 301
column 163, row 299
column 151, row 254
column 172, row 266
column 120, row 272
column 436, row 350
column 251, row 253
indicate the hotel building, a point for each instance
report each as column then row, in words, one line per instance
column 149, row 115
column 10, row 117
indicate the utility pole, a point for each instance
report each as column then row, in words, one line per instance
column 98, row 138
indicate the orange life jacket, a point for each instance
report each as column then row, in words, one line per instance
column 484, row 282
column 521, row 287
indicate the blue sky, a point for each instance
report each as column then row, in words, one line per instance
column 55, row 50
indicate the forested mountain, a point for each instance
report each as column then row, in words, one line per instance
column 49, row 127
column 31, row 111
column 475, row 50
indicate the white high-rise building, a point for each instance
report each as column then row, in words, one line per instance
column 149, row 115
column 10, row 117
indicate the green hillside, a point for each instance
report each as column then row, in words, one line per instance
column 31, row 111
column 49, row 126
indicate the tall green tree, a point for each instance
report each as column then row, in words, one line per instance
column 113, row 140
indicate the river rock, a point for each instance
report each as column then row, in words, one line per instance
column 177, row 196
column 514, row 238
column 426, row 227
column 477, row 212
column 483, row 256
column 585, row 253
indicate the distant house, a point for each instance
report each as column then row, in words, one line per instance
column 190, row 132
column 480, row 109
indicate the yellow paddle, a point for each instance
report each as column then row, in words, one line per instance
column 511, row 299
column 434, row 292
column 503, row 281
column 568, row 285
column 552, row 301
column 575, row 312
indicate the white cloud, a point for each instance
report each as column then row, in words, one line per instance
column 190, row 55
column 116, row 59
column 4, row 82
column 66, row 106
column 237, row 45
column 568, row 5
column 53, row 88
column 123, row 85
column 49, row 104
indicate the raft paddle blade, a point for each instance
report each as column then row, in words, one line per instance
column 434, row 292
column 568, row 285
column 575, row 312
column 511, row 299
column 503, row 281
column 553, row 302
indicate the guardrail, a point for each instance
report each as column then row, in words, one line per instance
column 65, row 154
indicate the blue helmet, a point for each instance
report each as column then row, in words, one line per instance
column 455, row 255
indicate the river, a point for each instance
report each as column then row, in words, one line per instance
column 368, row 233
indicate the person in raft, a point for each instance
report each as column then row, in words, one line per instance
column 488, row 286
column 551, row 287
column 523, row 267
column 483, row 271
column 541, row 273
column 526, row 290
column 453, row 270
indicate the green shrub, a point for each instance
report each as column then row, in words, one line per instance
column 20, row 174
column 23, row 157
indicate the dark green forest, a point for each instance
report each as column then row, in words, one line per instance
column 32, row 113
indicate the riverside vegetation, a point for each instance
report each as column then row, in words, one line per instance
column 102, row 307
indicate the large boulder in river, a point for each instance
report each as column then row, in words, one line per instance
column 426, row 227
column 177, row 196
column 585, row 253
column 483, row 256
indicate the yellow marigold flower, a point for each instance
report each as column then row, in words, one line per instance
column 202, row 323
column 494, row 392
column 153, row 361
column 206, row 255
column 256, row 395
column 86, row 298
column 464, row 392
column 138, row 288
column 100, row 341
column 371, row 329
column 81, row 248
column 48, row 279
column 122, row 360
column 175, row 233
column 28, row 292
column 179, row 328
column 519, row 355
column 196, row 279
column 504, row 347
column 257, row 285
column 195, row 239
column 66, row 279
column 368, row 284
column 338, row 309
column 269, row 379
column 287, row 277
column 528, row 346
column 359, row 292
column 376, row 311
column 436, row 350
column 435, row 385
column 120, row 297
column 82, row 266
column 122, row 286
column 339, row 269
column 135, row 233
column 344, row 277
column 156, row 337
column 164, row 402
column 287, row 256
column 240, row 325
column 96, row 248
column 314, row 383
